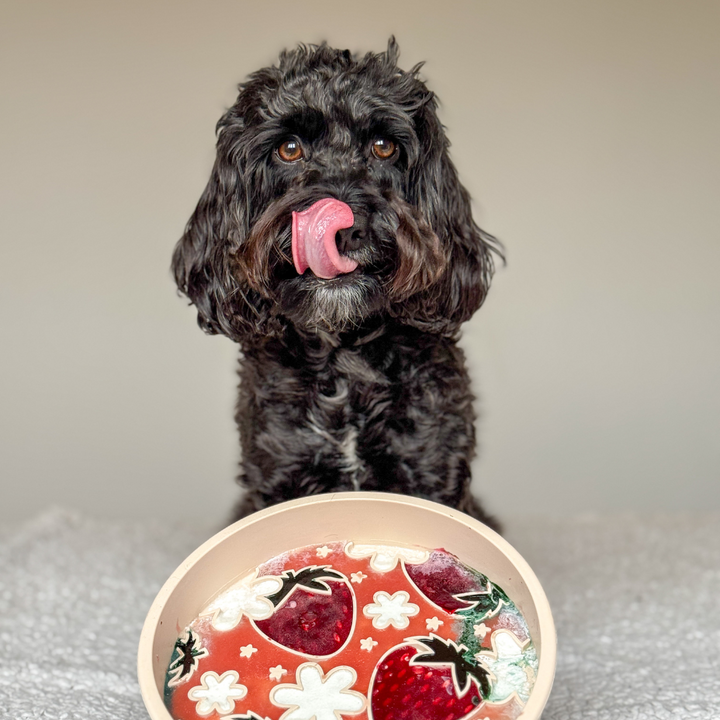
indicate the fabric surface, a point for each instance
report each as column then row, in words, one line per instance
column 636, row 603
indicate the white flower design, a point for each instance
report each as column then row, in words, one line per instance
column 480, row 631
column 357, row 577
column 247, row 597
column 385, row 557
column 217, row 692
column 323, row 551
column 433, row 623
column 392, row 610
column 246, row 651
column 368, row 644
column 318, row 696
column 513, row 664
column 277, row 672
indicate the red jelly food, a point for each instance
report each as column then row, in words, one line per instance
column 347, row 630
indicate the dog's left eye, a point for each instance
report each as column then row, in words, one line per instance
column 290, row 151
column 383, row 149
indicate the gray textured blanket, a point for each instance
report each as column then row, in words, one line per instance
column 636, row 603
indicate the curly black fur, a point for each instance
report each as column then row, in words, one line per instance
column 354, row 382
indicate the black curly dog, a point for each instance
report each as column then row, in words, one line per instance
column 351, row 378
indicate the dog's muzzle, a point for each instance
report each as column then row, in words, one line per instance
column 313, row 238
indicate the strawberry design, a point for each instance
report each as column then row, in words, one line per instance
column 348, row 631
column 446, row 582
column 427, row 678
column 314, row 611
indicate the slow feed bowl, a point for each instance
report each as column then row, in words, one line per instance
column 350, row 605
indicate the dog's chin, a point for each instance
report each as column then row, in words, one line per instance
column 334, row 305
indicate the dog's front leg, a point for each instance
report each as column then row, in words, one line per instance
column 424, row 442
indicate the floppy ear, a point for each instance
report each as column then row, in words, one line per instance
column 435, row 190
column 203, row 262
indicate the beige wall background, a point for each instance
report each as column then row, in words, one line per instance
column 587, row 134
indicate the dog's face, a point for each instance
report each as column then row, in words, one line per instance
column 325, row 136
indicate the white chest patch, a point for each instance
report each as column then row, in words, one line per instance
column 349, row 451
column 346, row 445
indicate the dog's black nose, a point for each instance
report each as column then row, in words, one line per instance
column 352, row 238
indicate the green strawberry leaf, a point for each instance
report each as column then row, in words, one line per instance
column 310, row 578
column 485, row 603
column 446, row 652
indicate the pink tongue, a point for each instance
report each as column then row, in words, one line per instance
column 313, row 238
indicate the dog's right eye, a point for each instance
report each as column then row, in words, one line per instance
column 383, row 149
column 290, row 151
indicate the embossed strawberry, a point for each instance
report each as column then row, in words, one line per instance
column 453, row 586
column 427, row 678
column 314, row 611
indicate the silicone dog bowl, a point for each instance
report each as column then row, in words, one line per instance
column 361, row 517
